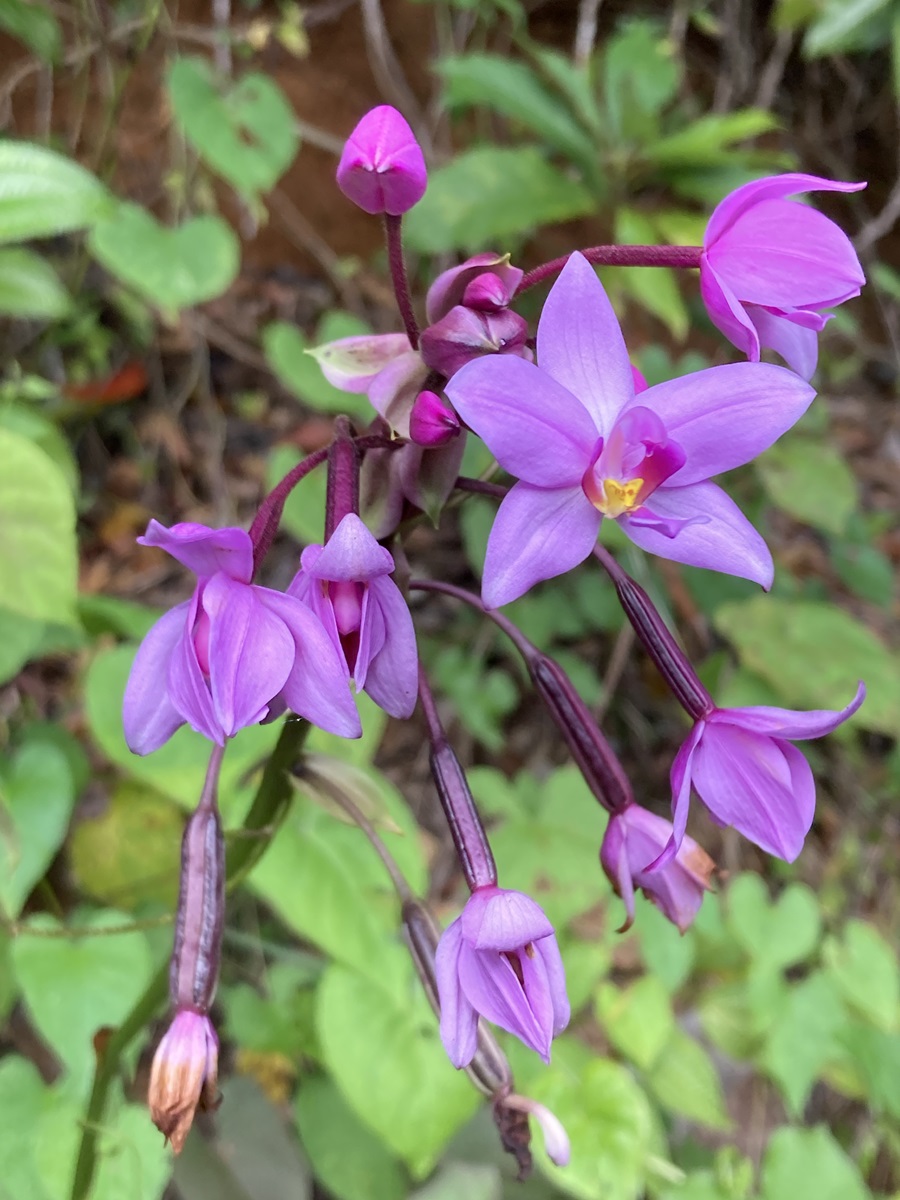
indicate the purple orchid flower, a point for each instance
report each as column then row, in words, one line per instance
column 634, row 840
column 223, row 659
column 585, row 447
column 500, row 960
column 382, row 168
column 747, row 773
column 769, row 266
column 346, row 584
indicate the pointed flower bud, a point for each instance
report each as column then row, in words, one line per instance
column 346, row 583
column 633, row 842
column 747, row 773
column 382, row 168
column 486, row 293
column 220, row 660
column 500, row 960
column 464, row 334
column 770, row 266
column 449, row 289
column 432, row 421
column 184, row 1075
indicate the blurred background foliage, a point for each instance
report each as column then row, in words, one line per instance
column 171, row 241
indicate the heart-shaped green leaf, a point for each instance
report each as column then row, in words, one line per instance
column 246, row 131
column 172, row 268
column 777, row 934
column 383, row 1051
column 38, row 566
column 43, row 193
column 36, row 798
column 76, row 980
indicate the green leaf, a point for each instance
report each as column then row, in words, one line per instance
column 383, row 1051
column 29, row 422
column 111, row 614
column 172, row 268
column 23, row 1098
column 865, row 969
column 866, row 571
column 75, row 980
column 809, row 1162
column 704, row 141
column 641, row 76
column 43, row 193
column 514, row 90
column 607, row 1118
column 129, row 854
column 38, row 562
column 729, row 1021
column 36, row 799
column 34, row 26
column 454, row 1180
column 847, row 25
column 685, row 1081
column 346, row 1156
column 654, row 288
column 638, row 1020
column 800, row 1041
column 491, row 194
column 285, row 348
column 669, row 958
column 20, row 640
column 779, row 934
column 304, row 511
column 873, row 1058
column 246, row 131
column 782, row 640
column 29, row 287
column 811, row 481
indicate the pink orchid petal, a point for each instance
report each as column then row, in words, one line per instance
column 536, row 430
column 725, row 541
column 148, row 715
column 447, row 290
column 580, row 344
column 500, row 919
column 760, row 785
column 786, row 255
column 786, row 722
column 459, row 1020
column 393, row 391
column 537, row 534
column 351, row 553
column 188, row 690
column 773, row 187
column 392, row 678
column 203, row 550
column 726, row 312
column 318, row 686
column 352, row 363
column 492, row 987
column 547, row 949
column 251, row 652
column 723, row 417
column 792, row 339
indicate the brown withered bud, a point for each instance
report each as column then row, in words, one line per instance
column 184, row 1075
column 515, row 1135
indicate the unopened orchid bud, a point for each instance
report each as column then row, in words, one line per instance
column 464, row 334
column 487, row 293
column 432, row 421
column 382, row 168
column 449, row 288
column 184, row 1075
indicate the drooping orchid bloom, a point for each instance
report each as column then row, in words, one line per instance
column 585, row 446
column 770, row 266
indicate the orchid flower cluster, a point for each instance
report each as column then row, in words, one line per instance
column 584, row 439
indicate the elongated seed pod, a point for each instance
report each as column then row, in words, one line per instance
column 194, row 971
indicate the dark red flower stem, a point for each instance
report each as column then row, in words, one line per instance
column 342, row 496
column 268, row 516
column 619, row 256
column 392, row 230
column 466, row 829
column 657, row 639
column 591, row 752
